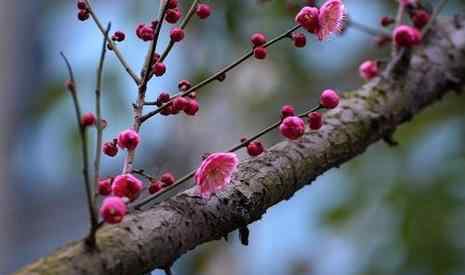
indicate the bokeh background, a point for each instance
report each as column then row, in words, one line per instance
column 390, row 211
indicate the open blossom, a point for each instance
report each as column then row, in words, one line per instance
column 323, row 21
column 331, row 18
column 215, row 173
column 128, row 186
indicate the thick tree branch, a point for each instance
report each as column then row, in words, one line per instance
column 155, row 238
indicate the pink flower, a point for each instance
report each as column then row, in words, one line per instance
column 369, row 69
column 292, row 127
column 324, row 21
column 128, row 186
column 308, row 19
column 331, row 18
column 215, row 173
column 128, row 139
column 406, row 36
column 329, row 99
column 113, row 210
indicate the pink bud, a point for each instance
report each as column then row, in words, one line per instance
column 179, row 104
column 128, row 186
column 167, row 179
column 329, row 99
column 255, row 148
column 177, row 34
column 292, row 127
column 369, row 69
column 104, row 187
column 128, row 139
column 192, row 107
column 406, row 36
column 81, row 5
column 172, row 16
column 299, row 39
column 315, row 120
column 113, row 210
column 184, row 85
column 287, row 110
column 386, row 21
column 155, row 187
column 259, row 52
column 172, row 4
column 162, row 98
column 203, row 11
column 158, row 69
column 258, row 39
column 145, row 32
column 420, row 18
column 308, row 19
column 110, row 149
column 88, row 119
column 118, row 36
column 83, row 15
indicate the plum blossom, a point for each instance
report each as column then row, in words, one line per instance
column 215, row 173
column 323, row 21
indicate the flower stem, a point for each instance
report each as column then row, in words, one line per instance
column 215, row 76
column 90, row 241
column 113, row 46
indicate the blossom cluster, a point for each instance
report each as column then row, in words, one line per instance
column 403, row 35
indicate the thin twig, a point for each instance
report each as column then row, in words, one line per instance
column 235, row 148
column 113, row 45
column 398, row 22
column 219, row 73
column 98, row 112
column 367, row 29
column 433, row 17
column 183, row 25
column 85, row 155
column 139, row 106
column 153, row 45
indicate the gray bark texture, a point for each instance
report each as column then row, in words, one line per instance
column 156, row 237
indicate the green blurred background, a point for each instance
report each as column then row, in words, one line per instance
column 390, row 211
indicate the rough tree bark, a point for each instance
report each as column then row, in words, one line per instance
column 155, row 238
